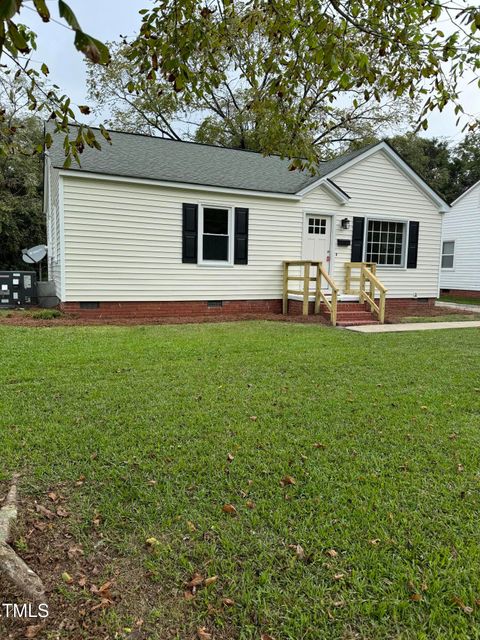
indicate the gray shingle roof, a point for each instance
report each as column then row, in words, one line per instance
column 139, row 156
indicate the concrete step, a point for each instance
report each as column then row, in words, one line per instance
column 355, row 323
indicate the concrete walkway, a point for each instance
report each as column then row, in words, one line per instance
column 473, row 308
column 414, row 326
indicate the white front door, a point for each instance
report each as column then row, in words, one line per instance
column 316, row 239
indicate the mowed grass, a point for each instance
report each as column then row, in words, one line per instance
column 394, row 491
column 460, row 299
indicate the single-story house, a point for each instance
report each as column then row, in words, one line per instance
column 460, row 272
column 154, row 227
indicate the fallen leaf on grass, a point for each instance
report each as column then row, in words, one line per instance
column 203, row 634
column 211, row 580
column 460, row 468
column 287, row 480
column 191, row 527
column 339, row 603
column 43, row 511
column 53, row 496
column 196, row 581
column 74, row 551
column 228, row 602
column 339, row 576
column 416, row 597
column 229, row 508
column 230, row 457
column 33, row 630
column 103, row 604
column 453, row 436
column 188, row 595
column 152, row 542
column 250, row 504
column 300, row 553
column 67, row 578
column 319, row 445
column 152, row 482
column 80, row 481
column 266, row 636
column 254, row 418
column 465, row 608
column 82, row 582
column 62, row 513
column 374, row 541
column 332, row 553
column 41, row 526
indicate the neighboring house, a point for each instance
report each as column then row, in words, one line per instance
column 149, row 226
column 460, row 273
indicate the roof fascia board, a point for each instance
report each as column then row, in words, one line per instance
column 178, row 185
column 335, row 191
column 398, row 161
column 462, row 195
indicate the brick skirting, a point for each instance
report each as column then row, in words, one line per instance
column 395, row 307
column 163, row 309
column 463, row 293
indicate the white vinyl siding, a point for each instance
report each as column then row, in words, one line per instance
column 54, row 232
column 378, row 189
column 462, row 225
column 123, row 240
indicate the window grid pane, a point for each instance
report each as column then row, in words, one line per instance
column 385, row 242
column 215, row 237
column 317, row 226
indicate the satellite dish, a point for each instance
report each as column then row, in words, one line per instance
column 35, row 254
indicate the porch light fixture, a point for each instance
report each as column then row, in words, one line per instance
column 345, row 223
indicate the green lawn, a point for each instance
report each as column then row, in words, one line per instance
column 394, row 490
column 451, row 317
column 459, row 299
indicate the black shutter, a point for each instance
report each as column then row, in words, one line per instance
column 357, row 239
column 412, row 251
column 241, row 236
column 190, row 233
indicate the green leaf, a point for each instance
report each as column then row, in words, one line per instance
column 17, row 38
column 68, row 15
column 8, row 8
column 45, row 70
column 42, row 9
column 93, row 49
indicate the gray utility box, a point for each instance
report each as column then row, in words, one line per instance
column 17, row 289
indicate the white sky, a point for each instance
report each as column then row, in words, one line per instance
column 108, row 19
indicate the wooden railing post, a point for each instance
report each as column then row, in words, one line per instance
column 348, row 273
column 318, row 287
column 362, row 283
column 306, row 287
column 285, row 289
column 333, row 311
column 381, row 313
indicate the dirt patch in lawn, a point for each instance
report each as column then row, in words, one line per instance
column 18, row 319
column 92, row 593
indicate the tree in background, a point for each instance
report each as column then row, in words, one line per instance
column 223, row 114
column 296, row 60
column 22, row 223
column 465, row 169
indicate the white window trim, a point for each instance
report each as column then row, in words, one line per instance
column 405, row 222
column 231, row 236
column 452, row 268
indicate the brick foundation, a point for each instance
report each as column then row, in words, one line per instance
column 151, row 310
column 463, row 293
column 163, row 309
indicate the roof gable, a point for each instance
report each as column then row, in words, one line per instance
column 468, row 191
column 345, row 162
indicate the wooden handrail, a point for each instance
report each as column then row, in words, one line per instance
column 369, row 298
column 320, row 296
